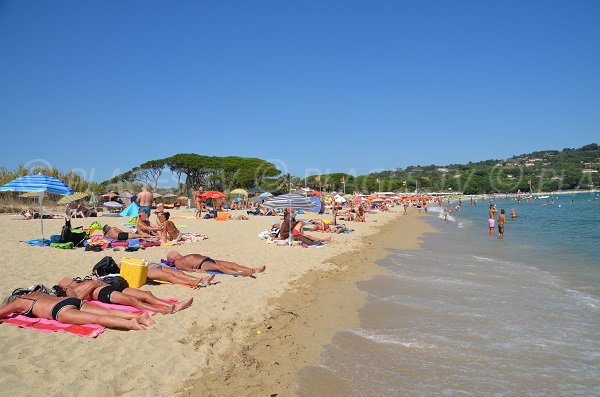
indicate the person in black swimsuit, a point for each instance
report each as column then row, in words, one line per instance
column 200, row 263
column 72, row 311
column 103, row 292
column 117, row 234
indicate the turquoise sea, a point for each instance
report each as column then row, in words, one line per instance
column 473, row 315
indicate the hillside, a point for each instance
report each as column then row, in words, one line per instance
column 548, row 170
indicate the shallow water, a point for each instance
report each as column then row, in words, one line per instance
column 470, row 315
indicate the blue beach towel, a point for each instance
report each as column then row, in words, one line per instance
column 37, row 242
column 222, row 274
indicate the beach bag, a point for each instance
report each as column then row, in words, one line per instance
column 69, row 234
column 105, row 266
column 65, row 234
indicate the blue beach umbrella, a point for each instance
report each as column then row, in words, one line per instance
column 38, row 183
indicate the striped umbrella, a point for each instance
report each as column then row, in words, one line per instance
column 293, row 202
column 72, row 197
column 38, row 183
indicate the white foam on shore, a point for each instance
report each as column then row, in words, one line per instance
column 390, row 339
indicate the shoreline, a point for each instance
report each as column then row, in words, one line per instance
column 302, row 320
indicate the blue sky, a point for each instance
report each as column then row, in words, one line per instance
column 345, row 86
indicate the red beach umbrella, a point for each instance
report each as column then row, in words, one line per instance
column 213, row 194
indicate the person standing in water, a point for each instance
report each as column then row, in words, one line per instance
column 501, row 223
column 491, row 219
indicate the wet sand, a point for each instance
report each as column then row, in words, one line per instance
column 303, row 319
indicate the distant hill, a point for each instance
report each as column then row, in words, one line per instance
column 548, row 170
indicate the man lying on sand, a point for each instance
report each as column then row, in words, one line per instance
column 201, row 263
column 160, row 272
column 106, row 293
column 117, row 234
column 72, row 311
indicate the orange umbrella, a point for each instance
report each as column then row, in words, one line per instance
column 182, row 198
column 213, row 194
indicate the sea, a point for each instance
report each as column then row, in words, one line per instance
column 473, row 315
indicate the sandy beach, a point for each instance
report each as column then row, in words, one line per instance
column 243, row 336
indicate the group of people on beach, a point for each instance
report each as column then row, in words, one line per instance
column 69, row 301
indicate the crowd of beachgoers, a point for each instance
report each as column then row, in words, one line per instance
column 87, row 299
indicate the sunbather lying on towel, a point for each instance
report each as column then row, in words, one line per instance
column 200, row 263
column 106, row 293
column 117, row 234
column 72, row 311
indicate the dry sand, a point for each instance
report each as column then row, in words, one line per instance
column 212, row 348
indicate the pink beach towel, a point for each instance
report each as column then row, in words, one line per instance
column 89, row 330
column 44, row 325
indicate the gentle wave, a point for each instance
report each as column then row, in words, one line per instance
column 390, row 339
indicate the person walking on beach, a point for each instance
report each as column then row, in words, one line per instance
column 144, row 200
column 445, row 215
column 501, row 223
column 198, row 201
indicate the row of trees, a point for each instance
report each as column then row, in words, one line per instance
column 538, row 171
column 211, row 172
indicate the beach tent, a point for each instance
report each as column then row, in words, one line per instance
column 318, row 203
column 38, row 183
column 132, row 210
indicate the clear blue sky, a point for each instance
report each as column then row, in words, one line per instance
column 346, row 86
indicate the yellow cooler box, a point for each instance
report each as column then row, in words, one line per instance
column 134, row 271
